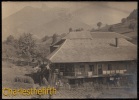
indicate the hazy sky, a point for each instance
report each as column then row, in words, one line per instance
column 9, row 8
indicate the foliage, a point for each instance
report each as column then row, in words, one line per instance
column 10, row 39
column 24, row 79
column 92, row 30
column 70, row 30
column 41, row 52
column 132, row 26
column 45, row 38
column 79, row 29
column 26, row 45
column 25, row 48
column 111, row 29
column 99, row 24
column 123, row 20
column 133, row 15
column 55, row 38
column 8, row 51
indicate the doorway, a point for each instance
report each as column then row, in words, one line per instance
column 99, row 69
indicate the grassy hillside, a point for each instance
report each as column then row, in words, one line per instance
column 124, row 27
column 59, row 26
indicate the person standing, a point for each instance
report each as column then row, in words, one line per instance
column 44, row 81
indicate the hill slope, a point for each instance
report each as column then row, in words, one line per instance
column 94, row 13
column 123, row 28
column 59, row 26
column 28, row 18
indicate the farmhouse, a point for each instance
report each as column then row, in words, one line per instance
column 83, row 56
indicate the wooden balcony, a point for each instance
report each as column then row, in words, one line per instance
column 73, row 75
column 114, row 72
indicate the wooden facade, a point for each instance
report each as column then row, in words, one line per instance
column 96, row 69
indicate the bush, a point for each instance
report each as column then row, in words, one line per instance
column 123, row 20
column 132, row 26
column 16, row 85
column 111, row 29
column 24, row 79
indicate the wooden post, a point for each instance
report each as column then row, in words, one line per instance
column 50, row 74
column 97, row 69
column 50, row 78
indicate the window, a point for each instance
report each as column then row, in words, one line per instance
column 56, row 70
column 109, row 67
column 69, row 68
column 99, row 69
column 62, row 68
column 82, row 68
column 91, row 67
column 117, row 67
column 127, row 66
column 100, row 66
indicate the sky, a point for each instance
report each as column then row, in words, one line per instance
column 8, row 8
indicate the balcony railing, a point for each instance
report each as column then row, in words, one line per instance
column 91, row 74
column 67, row 73
column 114, row 72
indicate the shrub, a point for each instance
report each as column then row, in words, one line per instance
column 24, row 79
column 17, row 85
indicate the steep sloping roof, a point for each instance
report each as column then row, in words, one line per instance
column 93, row 50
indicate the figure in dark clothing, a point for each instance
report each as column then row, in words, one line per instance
column 44, row 73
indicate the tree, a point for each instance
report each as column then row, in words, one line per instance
column 26, row 45
column 45, row 38
column 41, row 52
column 93, row 29
column 133, row 15
column 8, row 51
column 10, row 39
column 70, row 30
column 111, row 29
column 81, row 29
column 123, row 20
column 132, row 26
column 55, row 38
column 99, row 24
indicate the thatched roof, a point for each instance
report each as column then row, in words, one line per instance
column 93, row 50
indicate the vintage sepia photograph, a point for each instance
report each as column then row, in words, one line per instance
column 69, row 50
